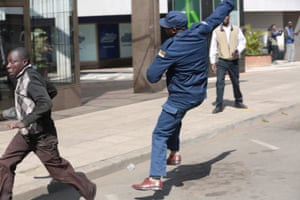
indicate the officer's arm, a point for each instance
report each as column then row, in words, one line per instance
column 161, row 63
column 158, row 68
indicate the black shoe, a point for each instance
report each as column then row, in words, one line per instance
column 240, row 105
column 218, row 108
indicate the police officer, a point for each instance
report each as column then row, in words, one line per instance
column 184, row 58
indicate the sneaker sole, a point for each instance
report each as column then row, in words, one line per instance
column 146, row 189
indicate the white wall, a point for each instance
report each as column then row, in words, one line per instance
column 110, row 7
column 123, row 7
column 262, row 20
column 271, row 5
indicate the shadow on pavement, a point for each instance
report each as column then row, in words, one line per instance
column 183, row 173
column 57, row 190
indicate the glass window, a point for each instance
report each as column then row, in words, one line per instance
column 52, row 39
column 191, row 8
column 11, row 36
column 125, row 40
column 88, row 42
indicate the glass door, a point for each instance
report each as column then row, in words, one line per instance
column 11, row 36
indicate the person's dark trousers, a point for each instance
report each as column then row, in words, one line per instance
column 232, row 67
column 46, row 149
column 275, row 52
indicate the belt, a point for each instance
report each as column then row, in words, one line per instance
column 228, row 60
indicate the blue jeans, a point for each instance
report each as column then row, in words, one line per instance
column 232, row 67
column 166, row 135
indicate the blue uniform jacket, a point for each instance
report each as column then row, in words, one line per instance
column 185, row 58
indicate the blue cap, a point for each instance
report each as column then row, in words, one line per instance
column 174, row 19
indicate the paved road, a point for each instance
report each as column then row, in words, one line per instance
column 257, row 161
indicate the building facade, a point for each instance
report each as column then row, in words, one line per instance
column 261, row 14
column 48, row 29
column 105, row 32
column 105, row 25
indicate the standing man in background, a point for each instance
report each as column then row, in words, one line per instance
column 290, row 41
column 274, row 32
column 227, row 43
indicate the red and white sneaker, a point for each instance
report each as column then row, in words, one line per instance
column 149, row 184
column 174, row 159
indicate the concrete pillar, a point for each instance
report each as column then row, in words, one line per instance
column 145, row 42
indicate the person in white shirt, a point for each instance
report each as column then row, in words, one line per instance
column 290, row 41
column 227, row 43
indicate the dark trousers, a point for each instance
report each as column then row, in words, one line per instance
column 232, row 67
column 275, row 52
column 45, row 147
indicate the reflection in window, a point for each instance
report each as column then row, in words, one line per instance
column 52, row 39
column 11, row 36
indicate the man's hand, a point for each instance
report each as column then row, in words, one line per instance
column 214, row 68
column 1, row 116
column 235, row 53
column 14, row 125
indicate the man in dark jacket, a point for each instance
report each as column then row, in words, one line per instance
column 36, row 129
column 274, row 49
column 185, row 58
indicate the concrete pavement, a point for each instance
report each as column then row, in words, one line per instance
column 105, row 135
